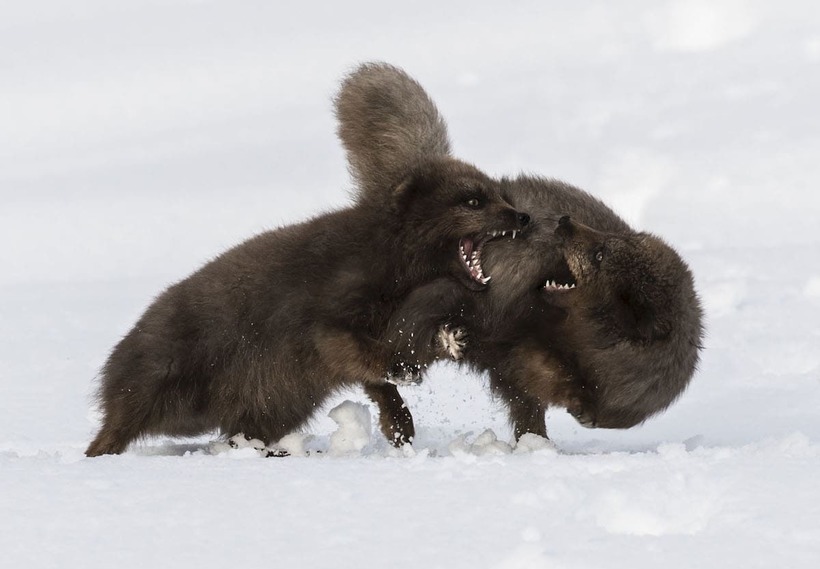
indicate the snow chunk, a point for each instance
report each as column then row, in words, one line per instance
column 295, row 444
column 486, row 443
column 531, row 442
column 239, row 446
column 354, row 429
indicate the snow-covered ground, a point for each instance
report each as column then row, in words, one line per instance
column 139, row 139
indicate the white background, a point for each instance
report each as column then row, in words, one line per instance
column 140, row 139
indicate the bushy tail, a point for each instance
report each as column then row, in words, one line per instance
column 387, row 125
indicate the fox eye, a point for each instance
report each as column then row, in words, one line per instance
column 473, row 203
column 599, row 255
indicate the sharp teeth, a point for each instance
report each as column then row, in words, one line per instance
column 513, row 234
column 572, row 286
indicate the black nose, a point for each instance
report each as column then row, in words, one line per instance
column 523, row 219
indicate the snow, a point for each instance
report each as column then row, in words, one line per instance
column 142, row 138
column 353, row 432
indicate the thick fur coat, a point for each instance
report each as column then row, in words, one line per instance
column 582, row 312
column 255, row 340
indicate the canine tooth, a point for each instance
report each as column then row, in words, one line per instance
column 513, row 233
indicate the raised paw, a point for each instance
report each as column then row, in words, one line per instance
column 403, row 373
column 453, row 341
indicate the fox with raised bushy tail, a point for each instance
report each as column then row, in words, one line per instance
column 257, row 339
column 582, row 312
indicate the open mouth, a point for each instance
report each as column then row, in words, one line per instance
column 560, row 278
column 469, row 251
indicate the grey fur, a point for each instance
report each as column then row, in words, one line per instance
column 388, row 125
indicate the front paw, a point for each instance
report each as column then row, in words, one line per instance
column 582, row 415
column 403, row 373
column 452, row 341
column 398, row 429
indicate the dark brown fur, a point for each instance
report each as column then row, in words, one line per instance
column 387, row 127
column 616, row 350
column 258, row 338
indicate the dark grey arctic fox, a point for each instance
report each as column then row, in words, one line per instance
column 583, row 312
column 254, row 341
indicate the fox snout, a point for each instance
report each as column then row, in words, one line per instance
column 518, row 219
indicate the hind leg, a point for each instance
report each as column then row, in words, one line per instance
column 526, row 414
column 109, row 441
column 145, row 391
column 119, row 429
column 395, row 420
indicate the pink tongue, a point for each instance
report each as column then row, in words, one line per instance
column 467, row 245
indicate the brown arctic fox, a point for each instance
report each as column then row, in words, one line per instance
column 255, row 340
column 604, row 321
